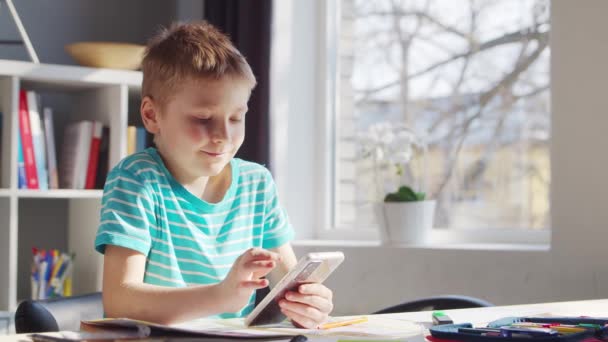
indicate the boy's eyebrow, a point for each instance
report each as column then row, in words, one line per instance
column 211, row 109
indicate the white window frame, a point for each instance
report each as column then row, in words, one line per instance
column 328, row 105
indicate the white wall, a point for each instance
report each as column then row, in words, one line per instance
column 53, row 24
column 576, row 266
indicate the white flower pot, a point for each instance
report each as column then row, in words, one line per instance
column 405, row 222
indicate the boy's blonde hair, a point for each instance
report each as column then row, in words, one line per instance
column 195, row 50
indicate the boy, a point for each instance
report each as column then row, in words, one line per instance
column 186, row 230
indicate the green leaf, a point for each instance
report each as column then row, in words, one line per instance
column 420, row 196
column 407, row 193
column 392, row 197
column 404, row 194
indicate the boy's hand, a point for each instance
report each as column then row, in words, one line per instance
column 309, row 306
column 245, row 277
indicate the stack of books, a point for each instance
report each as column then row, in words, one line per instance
column 84, row 160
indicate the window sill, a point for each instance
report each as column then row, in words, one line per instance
column 427, row 246
column 441, row 239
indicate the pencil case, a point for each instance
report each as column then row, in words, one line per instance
column 451, row 331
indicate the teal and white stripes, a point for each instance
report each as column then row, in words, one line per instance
column 186, row 240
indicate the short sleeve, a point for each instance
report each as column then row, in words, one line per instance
column 277, row 228
column 127, row 213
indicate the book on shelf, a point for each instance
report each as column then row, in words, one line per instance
column 104, row 155
column 51, row 154
column 138, row 139
column 97, row 131
column 21, row 178
column 84, row 155
column 29, row 158
column 131, row 139
column 84, row 146
column 35, row 144
column 76, row 147
column 38, row 140
column 141, row 139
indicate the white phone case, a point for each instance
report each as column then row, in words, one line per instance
column 311, row 268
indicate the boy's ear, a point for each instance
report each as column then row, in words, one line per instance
column 150, row 114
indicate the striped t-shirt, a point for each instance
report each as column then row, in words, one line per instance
column 186, row 240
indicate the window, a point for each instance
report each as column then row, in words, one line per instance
column 472, row 79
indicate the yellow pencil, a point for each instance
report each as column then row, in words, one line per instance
column 343, row 323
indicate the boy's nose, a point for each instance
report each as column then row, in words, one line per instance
column 220, row 133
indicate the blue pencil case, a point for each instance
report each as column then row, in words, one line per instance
column 451, row 331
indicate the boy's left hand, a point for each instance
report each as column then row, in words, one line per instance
column 309, row 306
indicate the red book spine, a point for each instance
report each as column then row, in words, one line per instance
column 93, row 156
column 31, row 174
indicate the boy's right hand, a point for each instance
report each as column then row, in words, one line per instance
column 245, row 276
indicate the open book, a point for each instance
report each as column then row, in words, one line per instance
column 376, row 327
column 198, row 328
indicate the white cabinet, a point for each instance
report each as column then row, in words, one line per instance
column 63, row 218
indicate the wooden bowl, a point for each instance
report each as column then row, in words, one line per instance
column 107, row 54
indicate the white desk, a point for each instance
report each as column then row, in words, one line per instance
column 597, row 308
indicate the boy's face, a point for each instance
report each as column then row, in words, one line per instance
column 202, row 126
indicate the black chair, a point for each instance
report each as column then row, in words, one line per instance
column 445, row 302
column 33, row 316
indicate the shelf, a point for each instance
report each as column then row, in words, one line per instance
column 60, row 193
column 69, row 77
column 60, row 218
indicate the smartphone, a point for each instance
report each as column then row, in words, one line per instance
column 311, row 268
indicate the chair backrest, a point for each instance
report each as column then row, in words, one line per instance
column 33, row 316
column 445, row 302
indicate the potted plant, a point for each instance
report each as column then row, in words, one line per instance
column 398, row 161
column 405, row 216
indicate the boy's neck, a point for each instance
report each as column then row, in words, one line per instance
column 215, row 188
column 210, row 189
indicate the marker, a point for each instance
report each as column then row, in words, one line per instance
column 591, row 326
column 562, row 328
column 481, row 331
column 509, row 331
column 440, row 318
column 568, row 330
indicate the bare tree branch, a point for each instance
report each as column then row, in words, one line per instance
column 484, row 100
column 404, row 39
column 508, row 38
column 419, row 15
column 476, row 171
column 532, row 93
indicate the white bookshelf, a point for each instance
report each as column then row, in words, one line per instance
column 60, row 193
column 65, row 217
